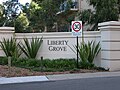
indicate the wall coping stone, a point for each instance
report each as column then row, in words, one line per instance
column 7, row 29
column 109, row 23
column 109, row 26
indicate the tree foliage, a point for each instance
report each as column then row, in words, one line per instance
column 2, row 18
column 33, row 14
column 21, row 23
column 85, row 16
column 11, row 15
column 47, row 14
column 40, row 14
column 1, row 11
column 104, row 10
column 12, row 9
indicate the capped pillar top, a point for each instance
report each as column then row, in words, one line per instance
column 7, row 28
column 109, row 24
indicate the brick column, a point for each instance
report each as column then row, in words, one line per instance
column 110, row 45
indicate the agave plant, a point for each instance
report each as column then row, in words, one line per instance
column 87, row 52
column 93, row 50
column 10, row 47
column 83, row 52
column 30, row 48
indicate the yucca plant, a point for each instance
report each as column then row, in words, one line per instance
column 87, row 53
column 93, row 50
column 10, row 47
column 89, row 50
column 83, row 52
column 30, row 47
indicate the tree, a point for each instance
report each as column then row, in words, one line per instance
column 12, row 9
column 2, row 18
column 66, row 16
column 105, row 10
column 21, row 23
column 41, row 14
column 33, row 14
column 85, row 16
column 47, row 14
column 11, row 15
column 1, row 11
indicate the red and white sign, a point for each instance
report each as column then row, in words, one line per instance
column 76, row 28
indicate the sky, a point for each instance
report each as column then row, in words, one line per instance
column 21, row 1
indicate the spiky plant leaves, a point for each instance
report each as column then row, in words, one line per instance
column 18, row 51
column 87, row 53
column 94, row 50
column 10, row 47
column 30, row 48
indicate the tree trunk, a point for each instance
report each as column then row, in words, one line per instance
column 45, row 30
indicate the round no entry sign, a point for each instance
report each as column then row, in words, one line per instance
column 76, row 28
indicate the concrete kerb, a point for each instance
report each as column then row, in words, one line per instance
column 11, row 80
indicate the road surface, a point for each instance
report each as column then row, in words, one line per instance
column 106, row 83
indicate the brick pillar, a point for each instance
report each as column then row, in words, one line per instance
column 110, row 45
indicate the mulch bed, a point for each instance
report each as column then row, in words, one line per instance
column 18, row 72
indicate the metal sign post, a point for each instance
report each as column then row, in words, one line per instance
column 77, row 31
column 77, row 54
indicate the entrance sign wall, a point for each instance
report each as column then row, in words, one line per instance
column 56, row 44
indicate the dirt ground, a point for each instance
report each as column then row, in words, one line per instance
column 18, row 72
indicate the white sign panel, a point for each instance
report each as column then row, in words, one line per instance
column 76, row 28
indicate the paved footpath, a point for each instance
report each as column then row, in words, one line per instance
column 4, row 80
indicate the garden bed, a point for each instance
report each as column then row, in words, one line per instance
column 18, row 72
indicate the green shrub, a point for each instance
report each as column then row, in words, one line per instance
column 3, row 60
column 30, row 48
column 87, row 53
column 60, row 63
column 93, row 50
column 86, row 65
column 10, row 47
column 47, row 64
column 24, row 62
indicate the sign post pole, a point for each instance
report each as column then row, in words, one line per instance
column 77, row 31
column 77, row 54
